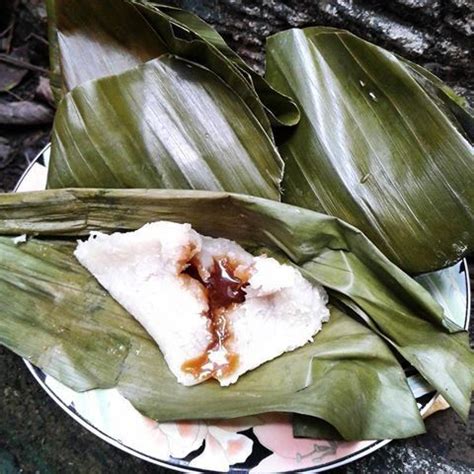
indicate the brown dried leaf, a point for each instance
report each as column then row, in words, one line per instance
column 10, row 75
column 25, row 113
column 43, row 91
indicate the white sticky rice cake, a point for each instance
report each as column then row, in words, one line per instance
column 215, row 310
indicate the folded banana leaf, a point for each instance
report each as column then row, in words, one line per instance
column 38, row 310
column 168, row 123
column 94, row 38
column 376, row 146
column 310, row 427
column 460, row 114
column 97, row 339
column 326, row 250
column 187, row 35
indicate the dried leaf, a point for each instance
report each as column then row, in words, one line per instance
column 25, row 113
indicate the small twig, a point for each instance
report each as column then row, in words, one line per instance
column 21, row 64
column 6, row 30
column 16, row 96
column 11, row 27
column 38, row 37
column 6, row 35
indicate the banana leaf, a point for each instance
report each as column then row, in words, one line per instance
column 189, row 36
column 37, row 319
column 95, row 38
column 310, row 427
column 345, row 353
column 168, row 123
column 326, row 250
column 454, row 106
column 375, row 147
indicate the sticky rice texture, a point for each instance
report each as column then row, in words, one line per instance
column 282, row 311
column 143, row 271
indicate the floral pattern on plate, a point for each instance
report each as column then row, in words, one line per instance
column 217, row 445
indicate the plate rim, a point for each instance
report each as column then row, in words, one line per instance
column 349, row 458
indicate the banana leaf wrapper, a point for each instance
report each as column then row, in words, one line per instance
column 310, row 427
column 320, row 378
column 188, row 36
column 457, row 108
column 168, row 123
column 95, row 38
column 382, row 144
column 91, row 39
column 57, row 298
column 325, row 249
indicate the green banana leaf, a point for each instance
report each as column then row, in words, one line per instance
column 345, row 353
column 454, row 106
column 95, row 38
column 375, row 146
column 326, row 250
column 189, row 36
column 168, row 123
column 38, row 316
column 310, row 427
column 92, row 38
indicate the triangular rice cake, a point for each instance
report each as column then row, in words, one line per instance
column 215, row 310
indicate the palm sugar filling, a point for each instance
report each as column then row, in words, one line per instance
column 223, row 289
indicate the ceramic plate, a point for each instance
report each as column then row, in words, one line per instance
column 252, row 444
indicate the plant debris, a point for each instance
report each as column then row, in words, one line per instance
column 43, row 91
column 25, row 113
column 21, row 64
column 25, row 99
column 11, row 75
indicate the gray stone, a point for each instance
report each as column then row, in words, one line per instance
column 407, row 461
column 432, row 4
column 463, row 25
column 461, row 4
column 8, row 464
column 5, row 152
column 408, row 38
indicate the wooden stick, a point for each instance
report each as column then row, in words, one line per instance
column 21, row 64
column 37, row 37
